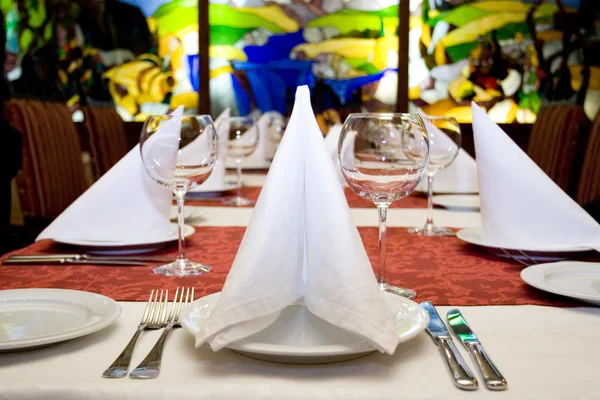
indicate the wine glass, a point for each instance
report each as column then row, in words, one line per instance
column 372, row 155
column 444, row 144
column 243, row 139
column 275, row 130
column 179, row 153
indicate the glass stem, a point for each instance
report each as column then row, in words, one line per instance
column 180, row 196
column 382, row 273
column 429, row 221
column 238, row 165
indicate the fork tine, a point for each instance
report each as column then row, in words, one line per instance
column 165, row 306
column 174, row 305
column 157, row 309
column 144, row 320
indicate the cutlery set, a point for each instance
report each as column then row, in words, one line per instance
column 156, row 316
column 63, row 259
column 459, row 370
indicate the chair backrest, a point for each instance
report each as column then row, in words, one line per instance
column 554, row 141
column 52, row 174
column 106, row 135
column 588, row 188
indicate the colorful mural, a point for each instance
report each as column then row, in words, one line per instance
column 347, row 51
column 484, row 51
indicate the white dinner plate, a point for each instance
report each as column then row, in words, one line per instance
column 249, row 164
column 38, row 317
column 457, row 201
column 449, row 186
column 475, row 236
column 580, row 280
column 153, row 241
column 201, row 193
column 299, row 337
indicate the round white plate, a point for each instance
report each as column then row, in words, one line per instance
column 38, row 317
column 457, row 201
column 201, row 193
column 580, row 280
column 135, row 245
column 448, row 186
column 249, row 164
column 475, row 236
column 299, row 337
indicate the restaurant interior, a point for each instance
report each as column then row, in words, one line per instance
column 261, row 174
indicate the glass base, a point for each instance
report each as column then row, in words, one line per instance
column 238, row 201
column 432, row 230
column 183, row 267
column 408, row 293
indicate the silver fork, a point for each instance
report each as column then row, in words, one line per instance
column 155, row 315
column 519, row 260
column 149, row 368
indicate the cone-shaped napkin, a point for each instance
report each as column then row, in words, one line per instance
column 216, row 180
column 520, row 205
column 258, row 158
column 301, row 243
column 331, row 142
column 458, row 177
column 125, row 204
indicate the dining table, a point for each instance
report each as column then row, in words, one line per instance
column 544, row 344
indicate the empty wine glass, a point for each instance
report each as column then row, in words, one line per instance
column 179, row 152
column 444, row 144
column 372, row 155
column 275, row 130
column 243, row 139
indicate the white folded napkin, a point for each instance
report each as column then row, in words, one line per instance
column 520, row 205
column 301, row 243
column 125, row 204
column 331, row 143
column 216, row 180
column 258, row 158
column 458, row 177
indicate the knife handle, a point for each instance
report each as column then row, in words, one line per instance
column 461, row 374
column 492, row 378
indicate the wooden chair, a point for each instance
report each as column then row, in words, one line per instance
column 588, row 188
column 555, row 140
column 106, row 135
column 52, row 174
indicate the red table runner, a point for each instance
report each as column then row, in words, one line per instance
column 441, row 269
column 415, row 200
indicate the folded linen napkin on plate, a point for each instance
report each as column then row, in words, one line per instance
column 125, row 203
column 520, row 204
column 458, row 177
column 259, row 157
column 301, row 244
column 216, row 180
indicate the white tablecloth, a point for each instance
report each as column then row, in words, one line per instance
column 544, row 353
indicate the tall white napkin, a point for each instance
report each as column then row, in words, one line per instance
column 216, row 180
column 458, row 177
column 520, row 204
column 258, row 158
column 301, row 243
column 125, row 204
column 331, row 143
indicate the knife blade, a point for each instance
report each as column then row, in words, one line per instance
column 492, row 377
column 89, row 257
column 65, row 261
column 459, row 370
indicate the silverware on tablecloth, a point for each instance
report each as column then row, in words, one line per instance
column 150, row 367
column 154, row 317
column 65, row 261
column 91, row 257
column 459, row 370
column 492, row 377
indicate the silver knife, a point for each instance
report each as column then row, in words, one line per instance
column 88, row 257
column 492, row 378
column 65, row 261
column 459, row 370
